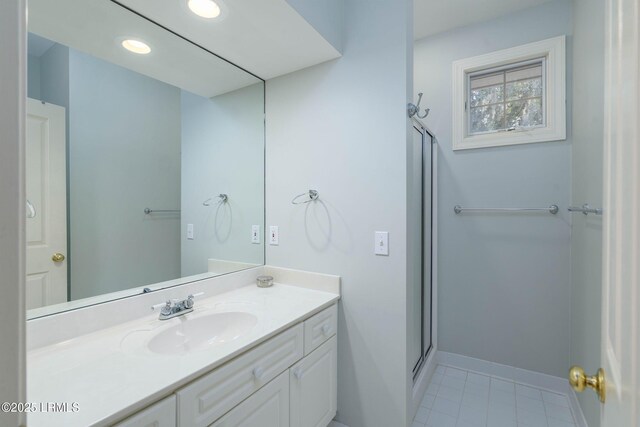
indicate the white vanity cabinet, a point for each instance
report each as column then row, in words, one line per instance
column 268, row 407
column 160, row 414
column 286, row 381
column 313, row 388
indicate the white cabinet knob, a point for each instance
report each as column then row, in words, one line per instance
column 258, row 373
column 297, row 373
column 326, row 329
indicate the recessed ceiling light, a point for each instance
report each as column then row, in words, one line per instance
column 205, row 8
column 136, row 46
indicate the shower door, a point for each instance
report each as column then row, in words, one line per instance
column 421, row 218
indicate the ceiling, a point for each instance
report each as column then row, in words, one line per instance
column 266, row 37
column 435, row 16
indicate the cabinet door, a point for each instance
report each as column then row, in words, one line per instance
column 161, row 414
column 268, row 407
column 313, row 387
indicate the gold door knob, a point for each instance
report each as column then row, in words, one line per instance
column 579, row 381
column 57, row 257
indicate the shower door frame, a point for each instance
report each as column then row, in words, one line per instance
column 428, row 352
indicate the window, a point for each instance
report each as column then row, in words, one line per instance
column 514, row 96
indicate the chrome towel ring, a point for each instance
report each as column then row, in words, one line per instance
column 223, row 199
column 306, row 197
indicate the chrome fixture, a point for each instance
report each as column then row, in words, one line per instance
column 148, row 211
column 586, row 209
column 414, row 110
column 174, row 307
column 307, row 197
column 222, row 199
column 553, row 209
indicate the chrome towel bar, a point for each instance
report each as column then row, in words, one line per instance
column 553, row 209
column 148, row 211
column 586, row 209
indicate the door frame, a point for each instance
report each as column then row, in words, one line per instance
column 13, row 50
column 620, row 338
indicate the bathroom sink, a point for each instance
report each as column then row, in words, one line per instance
column 199, row 333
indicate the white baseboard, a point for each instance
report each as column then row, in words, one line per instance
column 517, row 375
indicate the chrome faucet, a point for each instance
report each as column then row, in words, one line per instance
column 173, row 307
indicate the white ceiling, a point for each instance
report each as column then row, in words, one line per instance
column 98, row 27
column 435, row 16
column 266, row 37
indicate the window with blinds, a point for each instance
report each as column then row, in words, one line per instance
column 506, row 98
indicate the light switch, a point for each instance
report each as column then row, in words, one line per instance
column 274, row 235
column 255, row 234
column 382, row 243
column 190, row 231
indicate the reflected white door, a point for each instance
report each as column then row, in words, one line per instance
column 46, row 205
column 621, row 280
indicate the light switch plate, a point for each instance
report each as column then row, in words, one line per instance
column 190, row 231
column 274, row 235
column 255, row 234
column 382, row 243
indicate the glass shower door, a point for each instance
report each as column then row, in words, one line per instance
column 420, row 207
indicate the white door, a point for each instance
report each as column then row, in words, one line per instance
column 46, row 205
column 313, row 387
column 268, row 407
column 621, row 220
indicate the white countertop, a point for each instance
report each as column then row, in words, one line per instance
column 109, row 379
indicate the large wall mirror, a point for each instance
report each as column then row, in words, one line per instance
column 145, row 158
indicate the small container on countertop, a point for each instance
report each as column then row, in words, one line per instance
column 264, row 281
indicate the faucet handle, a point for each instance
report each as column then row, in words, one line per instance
column 164, row 306
column 188, row 303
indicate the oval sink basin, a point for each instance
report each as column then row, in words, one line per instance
column 199, row 333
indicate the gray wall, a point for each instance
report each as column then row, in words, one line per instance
column 587, row 176
column 503, row 280
column 33, row 77
column 341, row 128
column 222, row 152
column 13, row 90
column 124, row 155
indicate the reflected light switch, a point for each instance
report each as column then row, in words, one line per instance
column 255, row 234
column 190, row 231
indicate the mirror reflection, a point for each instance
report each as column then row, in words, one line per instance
column 145, row 158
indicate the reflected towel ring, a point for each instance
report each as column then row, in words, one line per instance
column 31, row 211
column 223, row 199
column 311, row 195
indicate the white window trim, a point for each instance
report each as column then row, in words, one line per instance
column 553, row 50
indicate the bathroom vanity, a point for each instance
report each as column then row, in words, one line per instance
column 245, row 356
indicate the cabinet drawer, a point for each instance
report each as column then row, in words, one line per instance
column 161, row 414
column 268, row 407
column 208, row 398
column 320, row 328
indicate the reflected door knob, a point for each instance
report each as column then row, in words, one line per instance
column 57, row 257
column 579, row 381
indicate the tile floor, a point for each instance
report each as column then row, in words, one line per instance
column 458, row 398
